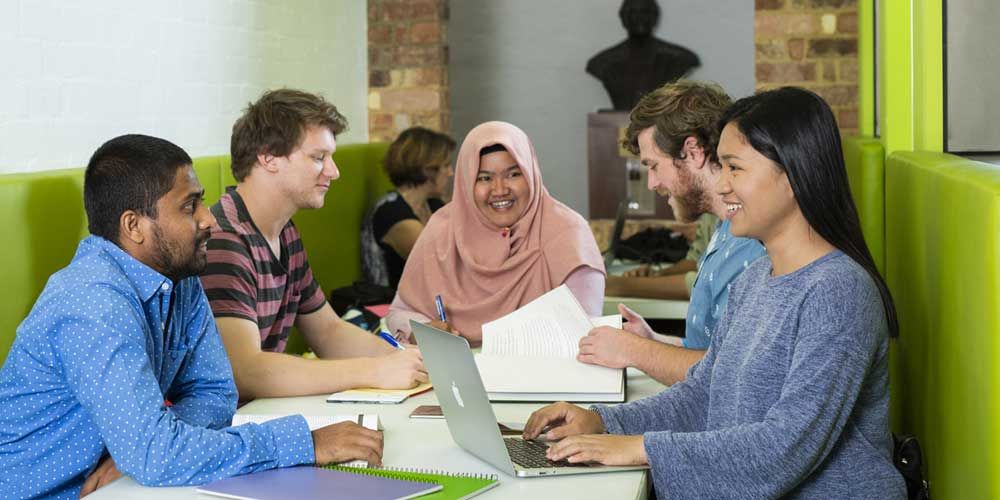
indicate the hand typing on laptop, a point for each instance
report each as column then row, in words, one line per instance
column 581, row 437
column 559, row 420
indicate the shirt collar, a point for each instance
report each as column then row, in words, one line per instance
column 146, row 280
column 244, row 224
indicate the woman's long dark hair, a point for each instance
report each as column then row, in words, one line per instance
column 795, row 128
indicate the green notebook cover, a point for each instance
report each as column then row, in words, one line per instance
column 455, row 486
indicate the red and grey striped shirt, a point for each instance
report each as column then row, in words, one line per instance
column 244, row 279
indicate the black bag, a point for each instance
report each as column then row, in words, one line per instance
column 653, row 246
column 359, row 295
column 909, row 461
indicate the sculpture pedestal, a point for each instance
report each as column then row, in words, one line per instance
column 609, row 180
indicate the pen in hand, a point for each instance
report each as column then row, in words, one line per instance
column 440, row 308
column 388, row 338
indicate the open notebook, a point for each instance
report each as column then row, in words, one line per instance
column 368, row 420
column 530, row 354
column 384, row 396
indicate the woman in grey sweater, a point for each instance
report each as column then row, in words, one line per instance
column 792, row 397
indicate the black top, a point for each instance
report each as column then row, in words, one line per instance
column 382, row 265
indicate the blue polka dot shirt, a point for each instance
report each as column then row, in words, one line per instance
column 88, row 374
column 724, row 260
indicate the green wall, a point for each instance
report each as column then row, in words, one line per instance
column 910, row 73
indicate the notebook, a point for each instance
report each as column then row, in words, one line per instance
column 530, row 354
column 368, row 420
column 455, row 486
column 384, row 396
column 317, row 482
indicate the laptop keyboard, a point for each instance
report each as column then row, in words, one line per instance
column 531, row 454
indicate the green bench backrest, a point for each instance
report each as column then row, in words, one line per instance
column 865, row 161
column 43, row 220
column 942, row 253
column 331, row 234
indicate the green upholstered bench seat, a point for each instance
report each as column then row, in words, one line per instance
column 942, row 247
column 43, row 220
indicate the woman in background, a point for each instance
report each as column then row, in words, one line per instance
column 419, row 165
column 502, row 242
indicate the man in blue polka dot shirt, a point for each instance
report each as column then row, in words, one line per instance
column 125, row 328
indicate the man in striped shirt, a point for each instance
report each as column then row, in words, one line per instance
column 258, row 278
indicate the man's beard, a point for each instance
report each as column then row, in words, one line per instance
column 175, row 263
column 695, row 201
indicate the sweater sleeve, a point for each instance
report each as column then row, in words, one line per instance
column 836, row 339
column 680, row 407
column 587, row 285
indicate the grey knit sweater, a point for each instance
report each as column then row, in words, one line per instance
column 791, row 399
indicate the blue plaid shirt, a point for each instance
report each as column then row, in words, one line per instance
column 90, row 369
column 725, row 258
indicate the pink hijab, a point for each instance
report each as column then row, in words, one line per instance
column 480, row 272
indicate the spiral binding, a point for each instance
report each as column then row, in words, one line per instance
column 391, row 472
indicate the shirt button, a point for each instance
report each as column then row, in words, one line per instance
column 165, row 286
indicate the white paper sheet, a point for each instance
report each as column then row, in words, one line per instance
column 368, row 420
column 530, row 354
column 548, row 327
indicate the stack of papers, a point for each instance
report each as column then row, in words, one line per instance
column 530, row 354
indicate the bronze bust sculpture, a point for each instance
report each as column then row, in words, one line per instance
column 642, row 62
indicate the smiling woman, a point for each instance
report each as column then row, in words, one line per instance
column 502, row 241
column 793, row 394
column 501, row 190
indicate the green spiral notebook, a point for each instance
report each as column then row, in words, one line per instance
column 456, row 486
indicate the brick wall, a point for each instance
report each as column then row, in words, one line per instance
column 407, row 66
column 811, row 44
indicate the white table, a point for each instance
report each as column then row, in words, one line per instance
column 426, row 443
column 648, row 308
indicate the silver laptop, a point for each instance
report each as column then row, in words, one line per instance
column 470, row 418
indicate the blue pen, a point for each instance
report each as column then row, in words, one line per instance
column 440, row 306
column 388, row 338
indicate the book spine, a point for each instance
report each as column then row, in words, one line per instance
column 415, row 470
column 395, row 472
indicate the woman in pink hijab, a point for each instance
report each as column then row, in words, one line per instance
column 501, row 242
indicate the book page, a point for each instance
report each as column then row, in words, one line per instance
column 550, row 326
column 503, row 374
column 612, row 320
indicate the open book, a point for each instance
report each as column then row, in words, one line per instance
column 530, row 354
column 368, row 420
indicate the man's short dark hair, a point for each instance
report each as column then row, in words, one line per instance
column 130, row 172
column 276, row 124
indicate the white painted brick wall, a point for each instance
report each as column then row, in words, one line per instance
column 76, row 73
